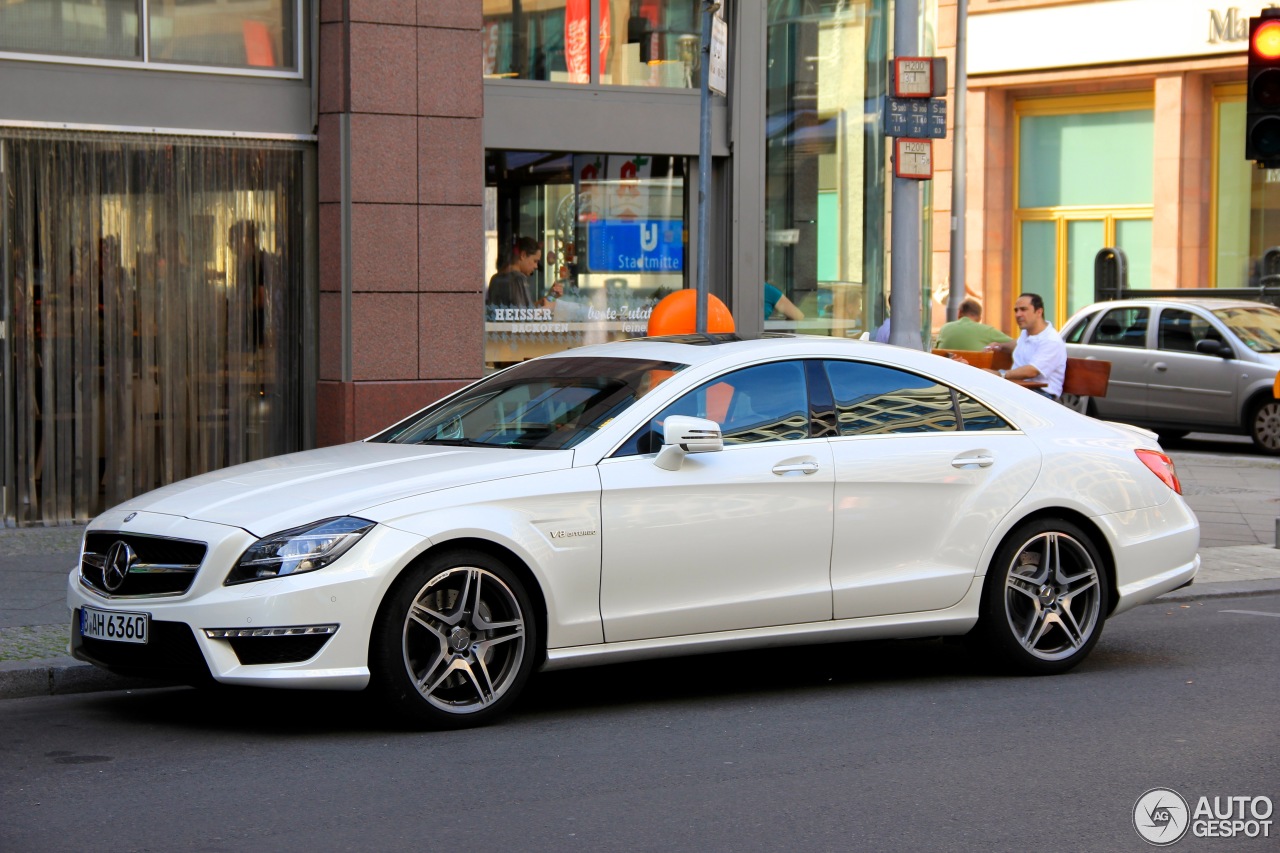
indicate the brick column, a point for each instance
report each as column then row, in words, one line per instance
column 401, row 191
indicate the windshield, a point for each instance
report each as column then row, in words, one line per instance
column 1258, row 328
column 544, row 404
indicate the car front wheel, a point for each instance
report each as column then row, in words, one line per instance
column 1265, row 426
column 1045, row 598
column 455, row 641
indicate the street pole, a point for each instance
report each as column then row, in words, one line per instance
column 704, row 168
column 904, row 246
column 958, row 167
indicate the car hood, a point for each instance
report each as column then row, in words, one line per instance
column 285, row 491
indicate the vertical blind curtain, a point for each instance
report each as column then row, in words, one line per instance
column 154, row 300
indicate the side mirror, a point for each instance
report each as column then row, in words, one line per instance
column 1208, row 346
column 681, row 435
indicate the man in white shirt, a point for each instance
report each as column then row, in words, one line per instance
column 1039, row 355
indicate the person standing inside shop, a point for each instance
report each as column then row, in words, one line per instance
column 509, row 287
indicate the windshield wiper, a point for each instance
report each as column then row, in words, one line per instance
column 454, row 442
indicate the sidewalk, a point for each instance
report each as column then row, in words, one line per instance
column 1237, row 499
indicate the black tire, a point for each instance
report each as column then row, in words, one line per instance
column 1264, row 426
column 1043, row 616
column 1171, row 434
column 455, row 641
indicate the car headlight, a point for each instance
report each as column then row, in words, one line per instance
column 301, row 549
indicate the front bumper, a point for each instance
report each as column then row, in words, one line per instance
column 342, row 599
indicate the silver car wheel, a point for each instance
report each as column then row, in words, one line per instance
column 464, row 640
column 1266, row 426
column 1052, row 597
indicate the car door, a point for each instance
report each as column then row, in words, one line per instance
column 1120, row 337
column 1189, row 387
column 739, row 538
column 923, row 474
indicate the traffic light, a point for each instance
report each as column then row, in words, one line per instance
column 1262, row 122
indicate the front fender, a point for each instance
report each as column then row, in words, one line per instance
column 549, row 520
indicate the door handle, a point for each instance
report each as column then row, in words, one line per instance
column 1161, row 366
column 802, row 467
column 982, row 460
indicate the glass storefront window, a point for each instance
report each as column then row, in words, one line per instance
column 1085, row 173
column 640, row 42
column 651, row 43
column 230, row 35
column 538, row 40
column 1233, row 265
column 579, row 248
column 106, row 29
column 155, row 314
column 824, row 183
column 258, row 34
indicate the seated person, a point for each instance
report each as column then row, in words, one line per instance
column 967, row 331
column 1039, row 355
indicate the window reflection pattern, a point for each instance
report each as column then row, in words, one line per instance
column 1121, row 327
column 654, row 43
column 875, row 400
column 106, row 29
column 824, row 165
column 155, row 312
column 260, row 34
column 533, row 40
column 975, row 417
column 544, row 405
column 759, row 404
column 1258, row 327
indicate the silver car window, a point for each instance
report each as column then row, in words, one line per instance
column 1122, row 327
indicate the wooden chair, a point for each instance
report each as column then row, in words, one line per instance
column 985, row 359
column 1086, row 377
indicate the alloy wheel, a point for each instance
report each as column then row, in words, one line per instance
column 1266, row 426
column 464, row 640
column 1052, row 596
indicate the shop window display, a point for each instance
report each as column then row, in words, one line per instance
column 580, row 247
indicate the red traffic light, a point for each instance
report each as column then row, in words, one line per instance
column 1266, row 39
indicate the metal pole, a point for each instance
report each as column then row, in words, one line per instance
column 904, row 246
column 704, row 168
column 958, row 166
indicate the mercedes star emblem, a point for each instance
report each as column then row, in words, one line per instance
column 119, row 560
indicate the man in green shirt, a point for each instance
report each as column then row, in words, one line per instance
column 967, row 332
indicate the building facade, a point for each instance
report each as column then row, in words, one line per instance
column 237, row 229
column 1111, row 123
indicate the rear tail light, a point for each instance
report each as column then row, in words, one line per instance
column 1162, row 466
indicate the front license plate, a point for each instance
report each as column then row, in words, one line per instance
column 114, row 625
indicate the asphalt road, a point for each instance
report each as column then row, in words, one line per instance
column 876, row 746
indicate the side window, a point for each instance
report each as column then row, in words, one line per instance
column 768, row 402
column 1122, row 327
column 1180, row 330
column 975, row 417
column 875, row 400
column 1075, row 332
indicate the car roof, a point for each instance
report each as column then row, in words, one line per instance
column 698, row 349
column 1209, row 303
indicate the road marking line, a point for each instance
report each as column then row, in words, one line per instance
column 1252, row 613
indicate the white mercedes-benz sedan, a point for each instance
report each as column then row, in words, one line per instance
column 652, row 497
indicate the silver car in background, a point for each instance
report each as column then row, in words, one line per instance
column 1184, row 365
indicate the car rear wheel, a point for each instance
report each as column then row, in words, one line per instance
column 1265, row 426
column 1045, row 597
column 455, row 641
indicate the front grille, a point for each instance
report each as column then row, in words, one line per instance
column 130, row 565
column 171, row 653
column 258, row 650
